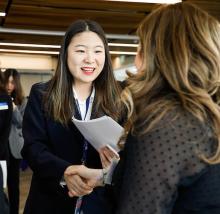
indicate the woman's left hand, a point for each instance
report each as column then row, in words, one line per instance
column 107, row 155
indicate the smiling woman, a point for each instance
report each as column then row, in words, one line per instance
column 84, row 87
column 86, row 59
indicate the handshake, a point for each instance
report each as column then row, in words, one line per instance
column 81, row 180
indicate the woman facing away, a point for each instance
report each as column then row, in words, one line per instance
column 16, row 141
column 172, row 152
column 84, row 87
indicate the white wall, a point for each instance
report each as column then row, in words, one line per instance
column 33, row 68
column 27, row 61
column 28, row 79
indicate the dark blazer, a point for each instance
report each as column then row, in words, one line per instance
column 49, row 149
column 5, row 125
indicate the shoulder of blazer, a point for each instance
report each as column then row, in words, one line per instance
column 38, row 89
column 40, row 86
column 36, row 93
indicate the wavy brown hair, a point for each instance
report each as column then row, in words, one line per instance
column 180, row 55
column 58, row 98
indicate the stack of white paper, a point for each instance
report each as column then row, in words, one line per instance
column 100, row 132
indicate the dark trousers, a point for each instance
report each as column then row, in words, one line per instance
column 13, row 184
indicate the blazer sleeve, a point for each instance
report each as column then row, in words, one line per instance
column 36, row 151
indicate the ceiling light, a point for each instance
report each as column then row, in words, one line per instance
column 150, row 1
column 2, row 14
column 29, row 45
column 122, row 53
column 57, row 52
column 29, row 51
column 123, row 45
column 58, row 46
column 60, row 33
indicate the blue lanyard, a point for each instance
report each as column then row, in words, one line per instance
column 84, row 156
column 85, row 145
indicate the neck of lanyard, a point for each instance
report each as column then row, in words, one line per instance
column 87, row 107
column 89, row 102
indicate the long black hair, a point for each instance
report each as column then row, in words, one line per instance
column 59, row 96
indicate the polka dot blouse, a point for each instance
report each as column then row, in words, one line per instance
column 162, row 172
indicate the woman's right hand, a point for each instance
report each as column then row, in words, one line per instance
column 81, row 180
column 76, row 184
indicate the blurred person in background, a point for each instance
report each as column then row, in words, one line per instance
column 16, row 141
column 5, row 125
column 172, row 153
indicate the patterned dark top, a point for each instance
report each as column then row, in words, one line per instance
column 163, row 173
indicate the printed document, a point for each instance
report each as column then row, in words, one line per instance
column 4, row 172
column 100, row 132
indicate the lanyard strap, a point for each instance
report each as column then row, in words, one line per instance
column 89, row 102
column 85, row 144
column 87, row 108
